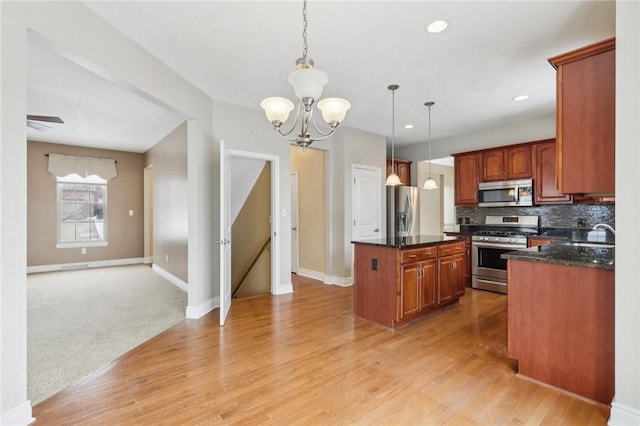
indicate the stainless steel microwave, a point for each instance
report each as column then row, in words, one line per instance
column 506, row 193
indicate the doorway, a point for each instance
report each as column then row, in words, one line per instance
column 239, row 176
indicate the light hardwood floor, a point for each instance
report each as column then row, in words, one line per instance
column 304, row 359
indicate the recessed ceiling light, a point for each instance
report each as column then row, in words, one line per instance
column 408, row 126
column 521, row 98
column 437, row 26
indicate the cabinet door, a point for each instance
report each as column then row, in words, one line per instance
column 404, row 172
column 409, row 290
column 466, row 179
column 445, row 278
column 546, row 191
column 493, row 165
column 457, row 275
column 586, row 119
column 518, row 161
column 428, row 294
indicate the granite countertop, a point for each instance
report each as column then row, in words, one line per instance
column 563, row 254
column 409, row 242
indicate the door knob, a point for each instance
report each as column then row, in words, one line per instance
column 293, row 228
column 376, row 230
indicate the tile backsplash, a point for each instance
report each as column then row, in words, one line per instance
column 564, row 215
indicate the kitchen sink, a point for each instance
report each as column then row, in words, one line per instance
column 592, row 245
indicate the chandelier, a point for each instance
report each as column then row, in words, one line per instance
column 307, row 84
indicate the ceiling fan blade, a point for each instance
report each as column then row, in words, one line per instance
column 37, row 126
column 46, row 118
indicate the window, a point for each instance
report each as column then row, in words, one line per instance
column 82, row 210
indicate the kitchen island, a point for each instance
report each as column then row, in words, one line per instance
column 560, row 316
column 399, row 280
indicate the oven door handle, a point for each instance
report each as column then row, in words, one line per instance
column 499, row 245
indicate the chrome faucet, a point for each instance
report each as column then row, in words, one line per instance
column 605, row 226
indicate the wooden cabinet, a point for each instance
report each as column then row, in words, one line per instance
column 546, row 191
column 585, row 119
column 394, row 286
column 403, row 170
column 417, row 281
column 561, row 326
column 466, row 273
column 506, row 163
column 466, row 178
column 450, row 271
column 538, row 241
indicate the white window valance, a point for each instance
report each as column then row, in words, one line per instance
column 63, row 165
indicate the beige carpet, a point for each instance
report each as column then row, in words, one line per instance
column 78, row 321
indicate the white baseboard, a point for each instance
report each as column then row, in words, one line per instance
column 311, row 274
column 19, row 416
column 339, row 281
column 327, row 279
column 622, row 415
column 198, row 311
column 170, row 277
column 84, row 265
column 286, row 288
column 148, row 259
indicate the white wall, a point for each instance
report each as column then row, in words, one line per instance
column 350, row 146
column 626, row 402
column 248, row 130
column 90, row 42
column 447, row 207
column 534, row 129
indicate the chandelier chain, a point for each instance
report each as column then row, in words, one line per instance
column 304, row 29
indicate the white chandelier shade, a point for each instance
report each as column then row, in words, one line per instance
column 308, row 82
column 277, row 109
column 333, row 110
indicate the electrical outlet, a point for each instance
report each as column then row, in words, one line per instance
column 166, row 258
column 130, row 212
column 83, row 250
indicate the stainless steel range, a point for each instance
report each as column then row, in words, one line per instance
column 500, row 234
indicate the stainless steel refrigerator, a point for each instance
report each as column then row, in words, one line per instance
column 403, row 211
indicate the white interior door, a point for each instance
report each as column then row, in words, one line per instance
column 366, row 206
column 225, row 234
column 294, row 223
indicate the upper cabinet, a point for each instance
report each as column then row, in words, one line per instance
column 466, row 169
column 585, row 128
column 544, row 174
column 403, row 170
column 506, row 163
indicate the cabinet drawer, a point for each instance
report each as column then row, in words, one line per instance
column 450, row 249
column 423, row 253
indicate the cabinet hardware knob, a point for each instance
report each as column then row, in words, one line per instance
column 412, row 255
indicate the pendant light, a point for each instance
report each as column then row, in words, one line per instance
column 430, row 183
column 393, row 179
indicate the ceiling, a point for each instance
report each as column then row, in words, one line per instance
column 242, row 51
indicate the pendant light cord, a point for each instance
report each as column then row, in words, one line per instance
column 393, row 130
column 429, row 141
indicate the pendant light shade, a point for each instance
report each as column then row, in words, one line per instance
column 430, row 183
column 393, row 179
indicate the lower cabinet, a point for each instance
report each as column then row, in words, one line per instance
column 451, row 277
column 418, row 288
column 430, row 277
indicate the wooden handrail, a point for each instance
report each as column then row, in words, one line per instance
column 255, row 259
